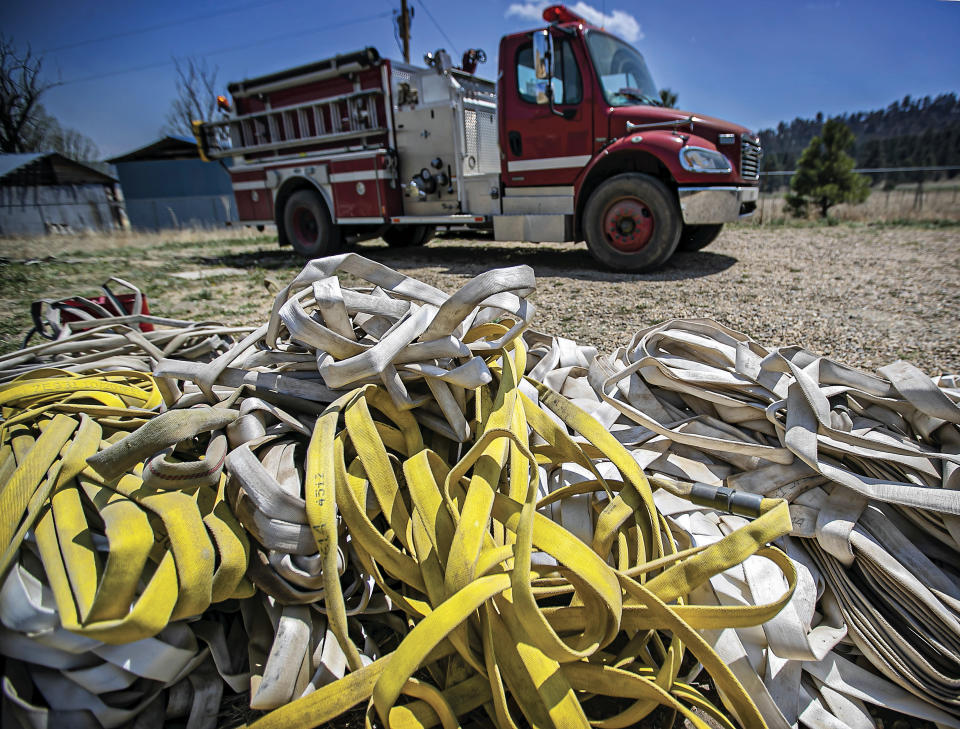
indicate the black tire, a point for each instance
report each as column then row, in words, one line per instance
column 695, row 237
column 632, row 223
column 308, row 227
column 409, row 236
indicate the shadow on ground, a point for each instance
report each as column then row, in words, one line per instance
column 465, row 260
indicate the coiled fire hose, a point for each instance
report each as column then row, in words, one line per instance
column 476, row 591
column 418, row 579
column 107, row 555
column 871, row 468
column 448, row 511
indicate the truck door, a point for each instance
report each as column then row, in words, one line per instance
column 541, row 147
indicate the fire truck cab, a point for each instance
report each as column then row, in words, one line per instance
column 572, row 144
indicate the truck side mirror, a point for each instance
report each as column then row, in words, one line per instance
column 542, row 65
column 541, row 54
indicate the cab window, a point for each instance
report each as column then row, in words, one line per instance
column 567, row 88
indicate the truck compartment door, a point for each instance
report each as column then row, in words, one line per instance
column 364, row 189
column 426, row 152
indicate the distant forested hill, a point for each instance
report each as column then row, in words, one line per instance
column 908, row 133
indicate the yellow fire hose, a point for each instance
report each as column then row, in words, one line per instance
column 123, row 559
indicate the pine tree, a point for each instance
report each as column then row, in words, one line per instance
column 668, row 98
column 825, row 175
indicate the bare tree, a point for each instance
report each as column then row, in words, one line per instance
column 23, row 122
column 196, row 95
column 25, row 126
column 71, row 143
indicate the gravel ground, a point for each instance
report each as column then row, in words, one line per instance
column 862, row 294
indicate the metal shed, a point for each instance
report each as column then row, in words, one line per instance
column 49, row 193
column 167, row 185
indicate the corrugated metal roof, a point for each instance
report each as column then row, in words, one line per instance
column 49, row 168
column 11, row 162
column 168, row 147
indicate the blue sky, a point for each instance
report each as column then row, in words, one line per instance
column 754, row 63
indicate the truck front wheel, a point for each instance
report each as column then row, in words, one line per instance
column 408, row 236
column 308, row 227
column 695, row 237
column 632, row 223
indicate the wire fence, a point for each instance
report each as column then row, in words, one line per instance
column 896, row 193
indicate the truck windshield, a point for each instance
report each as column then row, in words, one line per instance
column 622, row 71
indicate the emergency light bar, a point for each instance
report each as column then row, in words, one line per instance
column 561, row 14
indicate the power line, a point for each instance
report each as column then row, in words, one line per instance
column 165, row 24
column 434, row 20
column 396, row 32
column 229, row 49
column 396, row 24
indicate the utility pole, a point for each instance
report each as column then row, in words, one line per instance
column 405, row 16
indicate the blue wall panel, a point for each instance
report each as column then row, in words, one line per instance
column 181, row 212
column 172, row 178
column 176, row 193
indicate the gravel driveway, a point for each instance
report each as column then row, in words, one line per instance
column 863, row 295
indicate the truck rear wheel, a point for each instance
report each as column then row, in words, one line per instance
column 308, row 227
column 632, row 223
column 409, row 236
column 695, row 237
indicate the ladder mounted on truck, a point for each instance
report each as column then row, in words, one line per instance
column 331, row 119
column 267, row 120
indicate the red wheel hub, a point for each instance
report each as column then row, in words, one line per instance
column 305, row 225
column 628, row 224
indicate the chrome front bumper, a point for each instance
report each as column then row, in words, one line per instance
column 717, row 204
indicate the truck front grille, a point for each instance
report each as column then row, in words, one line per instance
column 750, row 154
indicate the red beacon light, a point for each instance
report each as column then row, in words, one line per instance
column 222, row 103
column 561, row 14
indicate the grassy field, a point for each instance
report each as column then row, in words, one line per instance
column 902, row 205
column 62, row 266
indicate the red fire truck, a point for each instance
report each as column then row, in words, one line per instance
column 573, row 145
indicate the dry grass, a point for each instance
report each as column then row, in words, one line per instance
column 59, row 267
column 32, row 247
column 901, row 204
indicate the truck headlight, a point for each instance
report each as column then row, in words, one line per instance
column 699, row 159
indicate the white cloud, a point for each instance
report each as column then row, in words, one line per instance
column 526, row 11
column 618, row 22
